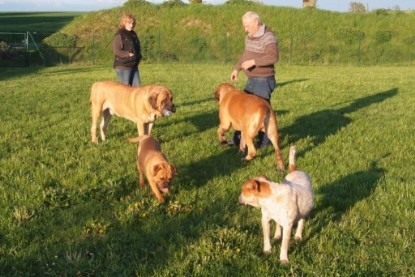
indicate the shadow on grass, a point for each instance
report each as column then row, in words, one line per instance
column 282, row 84
column 321, row 124
column 342, row 195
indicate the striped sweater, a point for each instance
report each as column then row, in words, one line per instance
column 263, row 48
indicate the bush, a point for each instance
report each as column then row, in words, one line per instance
column 173, row 3
column 350, row 34
column 383, row 36
column 239, row 2
column 61, row 40
column 136, row 3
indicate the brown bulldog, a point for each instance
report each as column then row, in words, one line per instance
column 142, row 105
column 152, row 163
column 249, row 114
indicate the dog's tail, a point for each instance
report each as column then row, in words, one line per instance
column 291, row 158
column 135, row 140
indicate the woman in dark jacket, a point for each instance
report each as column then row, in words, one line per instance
column 127, row 52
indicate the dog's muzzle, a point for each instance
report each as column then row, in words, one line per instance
column 167, row 112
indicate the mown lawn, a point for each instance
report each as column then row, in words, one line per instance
column 68, row 207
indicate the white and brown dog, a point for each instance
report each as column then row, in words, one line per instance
column 286, row 203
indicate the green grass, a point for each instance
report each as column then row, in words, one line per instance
column 41, row 22
column 68, row 207
column 214, row 33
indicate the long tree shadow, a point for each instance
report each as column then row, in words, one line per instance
column 319, row 125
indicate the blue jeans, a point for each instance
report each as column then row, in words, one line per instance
column 261, row 86
column 128, row 77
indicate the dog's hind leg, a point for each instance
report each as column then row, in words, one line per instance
column 299, row 231
column 104, row 123
column 249, row 141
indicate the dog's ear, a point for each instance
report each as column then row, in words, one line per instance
column 157, row 168
column 254, row 185
column 174, row 169
column 152, row 99
column 216, row 94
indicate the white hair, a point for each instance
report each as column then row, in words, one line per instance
column 251, row 16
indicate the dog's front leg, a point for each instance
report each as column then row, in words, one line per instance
column 148, row 127
column 141, row 128
column 277, row 235
column 265, row 232
column 286, row 233
column 156, row 191
column 221, row 135
column 141, row 177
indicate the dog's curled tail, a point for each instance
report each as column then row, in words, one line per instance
column 291, row 158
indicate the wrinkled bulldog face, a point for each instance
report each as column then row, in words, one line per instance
column 163, row 176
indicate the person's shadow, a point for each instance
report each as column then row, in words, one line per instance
column 319, row 125
column 341, row 196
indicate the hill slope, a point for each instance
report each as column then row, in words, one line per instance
column 205, row 33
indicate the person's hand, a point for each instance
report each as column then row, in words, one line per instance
column 248, row 64
column 130, row 54
column 234, row 76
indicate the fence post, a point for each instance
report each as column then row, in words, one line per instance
column 93, row 47
column 359, row 53
column 291, row 48
column 38, row 49
column 226, row 48
column 26, row 55
column 158, row 46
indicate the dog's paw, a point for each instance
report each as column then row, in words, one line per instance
column 284, row 262
column 298, row 238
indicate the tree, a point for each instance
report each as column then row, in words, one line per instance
column 357, row 7
column 195, row 1
column 239, row 2
column 309, row 3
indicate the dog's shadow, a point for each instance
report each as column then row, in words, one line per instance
column 320, row 125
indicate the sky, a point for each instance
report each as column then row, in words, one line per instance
column 95, row 5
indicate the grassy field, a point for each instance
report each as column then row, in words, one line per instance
column 41, row 22
column 68, row 207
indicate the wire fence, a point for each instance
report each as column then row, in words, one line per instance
column 356, row 48
column 25, row 49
